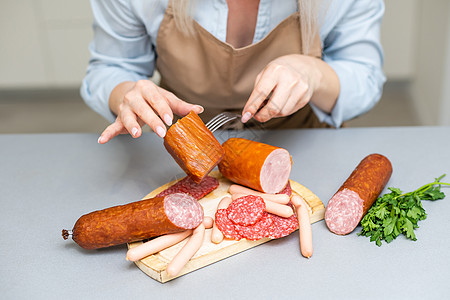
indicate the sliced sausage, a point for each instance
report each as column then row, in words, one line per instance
column 354, row 198
column 136, row 221
column 188, row 186
column 193, row 146
column 256, row 165
column 216, row 234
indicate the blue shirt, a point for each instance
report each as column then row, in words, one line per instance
column 125, row 32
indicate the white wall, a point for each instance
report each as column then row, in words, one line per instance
column 444, row 116
column 398, row 37
column 430, row 78
column 43, row 43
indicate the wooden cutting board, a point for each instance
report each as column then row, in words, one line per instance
column 155, row 265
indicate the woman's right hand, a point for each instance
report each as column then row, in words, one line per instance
column 143, row 102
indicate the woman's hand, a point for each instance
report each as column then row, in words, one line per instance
column 292, row 81
column 143, row 102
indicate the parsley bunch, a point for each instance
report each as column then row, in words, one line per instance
column 399, row 212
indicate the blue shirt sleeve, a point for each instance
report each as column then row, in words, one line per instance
column 352, row 48
column 121, row 50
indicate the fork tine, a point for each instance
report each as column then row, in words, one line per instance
column 219, row 124
column 214, row 119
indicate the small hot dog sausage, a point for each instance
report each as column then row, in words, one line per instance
column 208, row 222
column 278, row 198
column 304, row 226
column 275, row 208
column 193, row 146
column 156, row 245
column 187, row 252
column 136, row 221
column 354, row 198
column 216, row 234
column 256, row 165
column 162, row 242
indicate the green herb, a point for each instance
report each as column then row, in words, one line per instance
column 399, row 212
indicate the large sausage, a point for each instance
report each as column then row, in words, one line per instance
column 136, row 221
column 256, row 165
column 193, row 146
column 354, row 198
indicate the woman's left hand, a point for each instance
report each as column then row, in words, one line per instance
column 291, row 80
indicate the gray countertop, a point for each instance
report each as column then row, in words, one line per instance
column 48, row 181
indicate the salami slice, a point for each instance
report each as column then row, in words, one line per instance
column 225, row 225
column 246, row 210
column 188, row 186
column 287, row 190
column 282, row 227
column 258, row 230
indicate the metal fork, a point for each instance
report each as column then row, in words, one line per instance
column 219, row 120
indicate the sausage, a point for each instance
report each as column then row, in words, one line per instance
column 304, row 226
column 187, row 252
column 157, row 244
column 188, row 186
column 259, row 166
column 241, row 190
column 193, row 146
column 354, row 198
column 275, row 208
column 136, row 221
column 160, row 243
column 216, row 234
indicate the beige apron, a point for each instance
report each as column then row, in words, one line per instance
column 203, row 70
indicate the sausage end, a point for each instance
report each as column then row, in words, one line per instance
column 66, row 234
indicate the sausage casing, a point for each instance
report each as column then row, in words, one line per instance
column 256, row 165
column 354, row 198
column 136, row 221
column 193, row 146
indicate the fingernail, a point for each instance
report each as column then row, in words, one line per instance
column 201, row 109
column 246, row 117
column 134, row 131
column 167, row 119
column 100, row 139
column 160, row 131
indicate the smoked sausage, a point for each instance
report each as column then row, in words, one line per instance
column 136, row 221
column 193, row 146
column 256, row 165
column 354, row 198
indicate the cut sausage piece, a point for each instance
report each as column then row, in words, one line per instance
column 188, row 186
column 136, row 221
column 354, row 198
column 225, row 225
column 282, row 227
column 256, row 165
column 258, row 230
column 193, row 146
column 246, row 210
column 216, row 234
